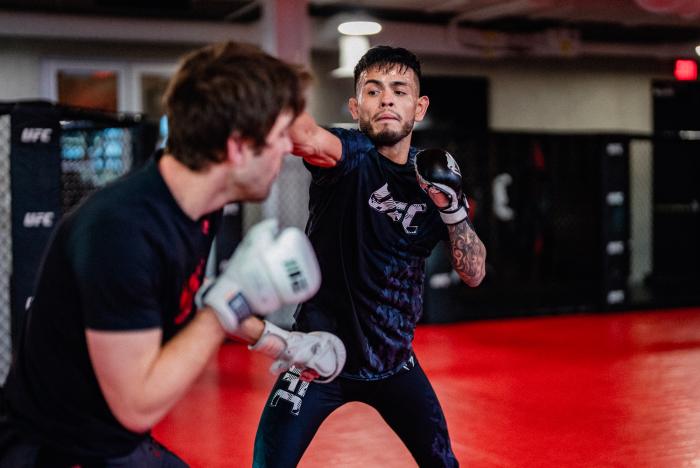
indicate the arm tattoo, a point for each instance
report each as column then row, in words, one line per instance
column 468, row 253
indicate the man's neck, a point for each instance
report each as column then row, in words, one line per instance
column 196, row 192
column 398, row 152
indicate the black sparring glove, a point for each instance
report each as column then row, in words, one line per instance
column 437, row 169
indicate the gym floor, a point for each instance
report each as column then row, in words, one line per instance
column 608, row 390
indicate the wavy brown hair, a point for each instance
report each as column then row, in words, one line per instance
column 228, row 89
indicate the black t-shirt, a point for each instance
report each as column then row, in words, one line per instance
column 372, row 227
column 127, row 259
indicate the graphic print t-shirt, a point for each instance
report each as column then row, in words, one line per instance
column 372, row 228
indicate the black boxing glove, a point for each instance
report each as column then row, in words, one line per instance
column 436, row 168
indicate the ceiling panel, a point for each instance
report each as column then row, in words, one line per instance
column 660, row 23
column 210, row 10
column 682, row 13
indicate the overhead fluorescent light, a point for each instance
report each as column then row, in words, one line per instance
column 359, row 28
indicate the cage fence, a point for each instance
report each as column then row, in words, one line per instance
column 91, row 157
column 641, row 215
column 5, row 249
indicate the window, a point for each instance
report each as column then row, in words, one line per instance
column 107, row 85
column 95, row 85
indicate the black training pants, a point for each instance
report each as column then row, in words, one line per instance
column 295, row 410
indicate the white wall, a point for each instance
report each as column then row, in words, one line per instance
column 570, row 100
column 20, row 59
column 19, row 71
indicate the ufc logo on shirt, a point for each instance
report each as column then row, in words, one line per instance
column 294, row 393
column 400, row 212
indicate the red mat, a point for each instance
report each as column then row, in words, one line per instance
column 617, row 390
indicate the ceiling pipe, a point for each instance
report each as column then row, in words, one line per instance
column 491, row 40
column 245, row 9
column 688, row 9
column 501, row 9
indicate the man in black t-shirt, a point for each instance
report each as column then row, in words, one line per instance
column 377, row 208
column 119, row 327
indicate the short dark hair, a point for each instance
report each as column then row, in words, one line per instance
column 228, row 89
column 386, row 58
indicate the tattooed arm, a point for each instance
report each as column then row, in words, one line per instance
column 468, row 252
column 439, row 176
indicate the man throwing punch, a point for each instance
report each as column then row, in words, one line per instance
column 377, row 209
column 113, row 339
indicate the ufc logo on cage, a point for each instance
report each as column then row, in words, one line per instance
column 293, row 394
column 36, row 135
column 400, row 212
column 35, row 219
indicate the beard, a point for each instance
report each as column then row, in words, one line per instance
column 385, row 137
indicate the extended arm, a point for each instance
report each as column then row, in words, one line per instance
column 314, row 143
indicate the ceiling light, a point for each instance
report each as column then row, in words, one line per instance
column 359, row 28
column 697, row 49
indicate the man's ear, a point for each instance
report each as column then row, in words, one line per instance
column 234, row 150
column 352, row 107
column 421, row 107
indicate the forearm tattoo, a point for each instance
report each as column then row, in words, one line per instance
column 468, row 253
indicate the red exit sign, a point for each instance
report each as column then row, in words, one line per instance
column 686, row 70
